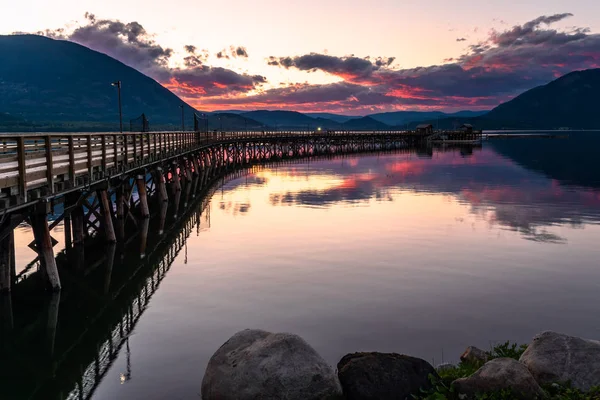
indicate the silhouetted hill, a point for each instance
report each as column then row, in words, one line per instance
column 51, row 81
column 333, row 117
column 570, row 101
column 233, row 122
column 406, row 117
column 282, row 119
column 364, row 123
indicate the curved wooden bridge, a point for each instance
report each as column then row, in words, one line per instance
column 96, row 182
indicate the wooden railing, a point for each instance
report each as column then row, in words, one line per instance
column 57, row 161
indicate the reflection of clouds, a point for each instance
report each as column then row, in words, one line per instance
column 248, row 180
column 234, row 207
column 493, row 186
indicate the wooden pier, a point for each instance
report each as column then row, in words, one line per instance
column 102, row 182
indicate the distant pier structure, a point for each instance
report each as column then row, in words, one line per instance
column 97, row 183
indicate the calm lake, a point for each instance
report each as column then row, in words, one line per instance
column 422, row 253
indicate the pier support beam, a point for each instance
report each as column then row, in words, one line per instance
column 43, row 244
column 110, row 251
column 188, row 184
column 162, row 217
column 140, row 181
column 106, row 212
column 77, row 220
column 175, row 178
column 120, row 198
column 52, row 322
column 7, row 256
column 144, row 237
column 6, row 320
column 161, row 188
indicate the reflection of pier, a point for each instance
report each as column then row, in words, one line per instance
column 62, row 345
column 104, row 183
column 102, row 301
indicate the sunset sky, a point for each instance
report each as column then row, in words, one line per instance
column 350, row 57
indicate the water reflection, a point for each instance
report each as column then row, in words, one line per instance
column 496, row 189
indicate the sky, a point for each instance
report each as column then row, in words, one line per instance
column 344, row 56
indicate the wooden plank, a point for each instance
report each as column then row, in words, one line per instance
column 49, row 164
column 106, row 220
column 89, row 157
column 104, row 161
column 22, row 173
column 71, row 161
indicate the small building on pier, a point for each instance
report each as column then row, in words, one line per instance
column 425, row 128
column 468, row 128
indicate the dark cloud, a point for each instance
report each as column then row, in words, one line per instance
column 341, row 66
column 240, row 52
column 462, row 39
column 131, row 44
column 127, row 42
column 384, row 61
column 222, row 54
column 233, row 52
column 272, row 61
column 210, row 81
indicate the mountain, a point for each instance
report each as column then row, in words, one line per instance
column 54, row 82
column 406, row 117
column 333, row 117
column 283, row 119
column 569, row 101
column 364, row 123
column 232, row 122
column 227, row 112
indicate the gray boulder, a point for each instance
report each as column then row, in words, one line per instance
column 554, row 357
column 254, row 364
column 499, row 374
column 474, row 356
column 383, row 376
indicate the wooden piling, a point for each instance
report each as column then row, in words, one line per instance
column 7, row 248
column 162, row 217
column 106, row 213
column 110, row 251
column 6, row 320
column 144, row 236
column 52, row 322
column 120, row 198
column 188, row 184
column 161, row 188
column 43, row 243
column 175, row 178
column 78, row 221
column 68, row 233
column 140, row 181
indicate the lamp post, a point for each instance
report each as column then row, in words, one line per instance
column 182, row 120
column 118, row 85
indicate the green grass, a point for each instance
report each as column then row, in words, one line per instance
column 443, row 390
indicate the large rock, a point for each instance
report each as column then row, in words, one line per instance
column 499, row 374
column 382, row 376
column 474, row 356
column 557, row 358
column 255, row 364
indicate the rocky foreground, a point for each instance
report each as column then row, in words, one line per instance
column 255, row 364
